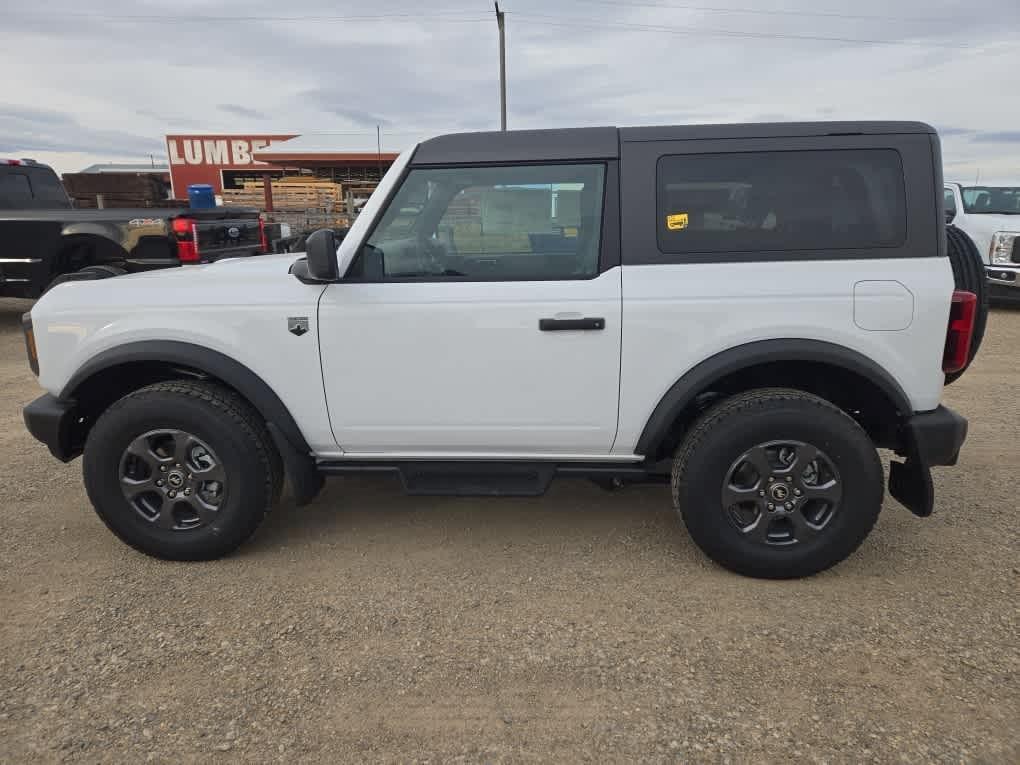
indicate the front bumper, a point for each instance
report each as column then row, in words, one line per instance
column 1004, row 275
column 928, row 438
column 52, row 421
column 1004, row 280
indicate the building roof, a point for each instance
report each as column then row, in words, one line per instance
column 323, row 150
column 127, row 167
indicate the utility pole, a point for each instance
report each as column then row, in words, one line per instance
column 501, row 23
column 378, row 150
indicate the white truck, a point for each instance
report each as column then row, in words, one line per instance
column 744, row 312
column 990, row 216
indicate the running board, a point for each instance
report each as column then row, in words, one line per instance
column 484, row 478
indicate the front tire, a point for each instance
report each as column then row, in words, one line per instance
column 777, row 483
column 181, row 470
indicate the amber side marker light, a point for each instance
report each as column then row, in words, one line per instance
column 33, row 356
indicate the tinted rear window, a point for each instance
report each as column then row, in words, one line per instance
column 781, row 200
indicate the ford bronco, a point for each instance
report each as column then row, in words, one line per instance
column 745, row 313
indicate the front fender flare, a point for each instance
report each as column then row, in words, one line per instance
column 202, row 359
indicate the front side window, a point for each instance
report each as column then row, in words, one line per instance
column 524, row 222
column 991, row 200
column 781, row 200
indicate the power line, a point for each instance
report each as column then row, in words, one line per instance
column 567, row 21
column 441, row 16
column 767, row 12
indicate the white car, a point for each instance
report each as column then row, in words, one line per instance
column 990, row 216
column 745, row 312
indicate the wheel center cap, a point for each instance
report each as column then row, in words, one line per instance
column 780, row 492
column 175, row 479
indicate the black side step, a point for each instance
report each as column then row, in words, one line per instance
column 481, row 478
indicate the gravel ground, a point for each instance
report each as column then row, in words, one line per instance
column 581, row 626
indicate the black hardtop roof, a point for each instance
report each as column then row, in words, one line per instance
column 604, row 142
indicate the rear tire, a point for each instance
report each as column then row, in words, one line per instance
column 969, row 275
column 182, row 470
column 731, row 466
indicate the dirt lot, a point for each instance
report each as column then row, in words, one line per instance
column 580, row 626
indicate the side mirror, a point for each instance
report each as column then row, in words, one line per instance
column 950, row 214
column 320, row 249
column 372, row 266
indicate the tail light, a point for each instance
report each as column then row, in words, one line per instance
column 962, row 312
column 263, row 242
column 186, row 232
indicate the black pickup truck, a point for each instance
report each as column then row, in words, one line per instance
column 45, row 241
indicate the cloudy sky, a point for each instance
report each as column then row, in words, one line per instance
column 105, row 80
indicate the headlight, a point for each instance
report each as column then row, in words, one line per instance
column 1001, row 251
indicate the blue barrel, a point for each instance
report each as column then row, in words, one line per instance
column 200, row 196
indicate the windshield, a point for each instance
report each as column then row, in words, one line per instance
column 992, row 200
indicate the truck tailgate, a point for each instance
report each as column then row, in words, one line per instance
column 228, row 238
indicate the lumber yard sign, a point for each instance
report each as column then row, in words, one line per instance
column 200, row 158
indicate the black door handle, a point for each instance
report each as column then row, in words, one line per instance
column 560, row 325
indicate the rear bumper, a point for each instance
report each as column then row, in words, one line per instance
column 929, row 438
column 935, row 437
column 52, row 421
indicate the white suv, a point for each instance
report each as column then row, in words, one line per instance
column 743, row 311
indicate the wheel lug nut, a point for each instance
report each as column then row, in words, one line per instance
column 159, row 482
column 177, row 464
column 797, row 492
column 789, row 506
column 771, row 506
column 761, row 493
column 789, row 478
column 162, row 468
column 772, row 478
column 187, row 492
column 172, row 494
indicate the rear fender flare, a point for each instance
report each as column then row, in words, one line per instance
column 701, row 377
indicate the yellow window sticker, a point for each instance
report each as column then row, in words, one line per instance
column 676, row 221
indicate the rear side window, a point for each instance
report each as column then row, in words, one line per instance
column 14, row 188
column 781, row 200
column 27, row 187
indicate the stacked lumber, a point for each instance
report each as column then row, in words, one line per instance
column 118, row 190
column 289, row 194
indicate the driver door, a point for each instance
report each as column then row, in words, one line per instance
column 494, row 329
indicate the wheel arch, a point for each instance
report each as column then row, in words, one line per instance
column 117, row 371
column 843, row 376
column 101, row 248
